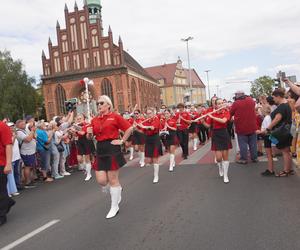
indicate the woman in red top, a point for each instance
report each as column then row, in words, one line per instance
column 138, row 137
column 193, row 129
column 153, row 148
column 109, row 158
column 221, row 142
column 170, row 125
column 85, row 147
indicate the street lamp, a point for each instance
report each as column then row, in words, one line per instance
column 207, row 71
column 188, row 55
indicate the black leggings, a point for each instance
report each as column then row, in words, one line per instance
column 183, row 136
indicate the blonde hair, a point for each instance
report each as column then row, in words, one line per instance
column 266, row 110
column 106, row 99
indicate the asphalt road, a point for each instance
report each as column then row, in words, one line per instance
column 189, row 209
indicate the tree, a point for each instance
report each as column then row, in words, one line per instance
column 18, row 97
column 263, row 86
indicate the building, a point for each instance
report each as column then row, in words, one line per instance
column 82, row 50
column 174, row 84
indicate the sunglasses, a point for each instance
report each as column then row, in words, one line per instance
column 136, row 113
column 100, row 103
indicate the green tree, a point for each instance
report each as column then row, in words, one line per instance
column 18, row 97
column 263, row 86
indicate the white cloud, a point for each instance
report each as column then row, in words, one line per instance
column 243, row 74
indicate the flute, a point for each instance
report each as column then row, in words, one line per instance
column 203, row 116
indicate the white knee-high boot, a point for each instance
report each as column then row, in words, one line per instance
column 156, row 172
column 115, row 193
column 131, row 153
column 172, row 162
column 142, row 159
column 195, row 144
column 88, row 169
column 221, row 169
column 225, row 168
column 81, row 167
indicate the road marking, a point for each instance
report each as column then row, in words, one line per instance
column 30, row 235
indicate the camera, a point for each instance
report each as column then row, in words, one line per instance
column 71, row 104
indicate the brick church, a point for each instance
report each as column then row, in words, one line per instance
column 83, row 50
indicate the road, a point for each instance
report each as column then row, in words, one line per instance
column 190, row 208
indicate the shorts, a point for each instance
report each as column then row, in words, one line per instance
column 29, row 160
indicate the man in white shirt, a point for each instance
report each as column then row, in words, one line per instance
column 27, row 143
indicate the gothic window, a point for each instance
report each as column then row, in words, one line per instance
column 60, row 97
column 106, row 89
column 133, row 92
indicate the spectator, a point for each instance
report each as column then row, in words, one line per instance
column 27, row 143
column 280, row 127
column 243, row 110
column 43, row 141
column 5, row 168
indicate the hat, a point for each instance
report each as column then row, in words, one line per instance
column 28, row 117
column 239, row 92
column 10, row 124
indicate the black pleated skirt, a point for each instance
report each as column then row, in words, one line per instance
column 220, row 140
column 153, row 147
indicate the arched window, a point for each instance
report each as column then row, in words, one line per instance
column 60, row 96
column 133, row 93
column 106, row 89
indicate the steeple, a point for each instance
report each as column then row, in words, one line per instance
column 43, row 54
column 66, row 8
column 57, row 25
column 75, row 6
column 49, row 41
column 85, row 3
column 94, row 7
column 109, row 30
column 120, row 40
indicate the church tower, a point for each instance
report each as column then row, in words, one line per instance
column 94, row 7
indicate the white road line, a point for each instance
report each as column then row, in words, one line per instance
column 30, row 235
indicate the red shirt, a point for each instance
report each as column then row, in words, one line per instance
column 84, row 127
column 172, row 122
column 106, row 127
column 218, row 125
column 131, row 121
column 181, row 123
column 155, row 122
column 5, row 139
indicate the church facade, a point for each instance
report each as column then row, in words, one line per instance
column 82, row 51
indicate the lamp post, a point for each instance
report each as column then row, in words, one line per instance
column 189, row 64
column 207, row 71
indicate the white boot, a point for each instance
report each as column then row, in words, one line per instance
column 115, row 193
column 172, row 162
column 81, row 167
column 131, row 153
column 156, row 171
column 225, row 168
column 142, row 160
column 88, row 171
column 221, row 171
column 195, row 144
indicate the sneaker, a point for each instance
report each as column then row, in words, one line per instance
column 66, row 173
column 241, row 162
column 29, row 185
column 268, row 173
column 58, row 177
column 16, row 194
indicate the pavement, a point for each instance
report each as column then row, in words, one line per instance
column 190, row 208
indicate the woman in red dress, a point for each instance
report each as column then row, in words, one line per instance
column 170, row 125
column 153, row 148
column 221, row 141
column 109, row 157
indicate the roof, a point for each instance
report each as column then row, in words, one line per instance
column 195, row 78
column 132, row 64
column 165, row 71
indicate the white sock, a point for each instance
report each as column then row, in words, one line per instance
column 142, row 161
column 131, row 152
column 195, row 143
column 172, row 161
column 156, row 172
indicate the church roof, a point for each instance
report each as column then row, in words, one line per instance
column 132, row 64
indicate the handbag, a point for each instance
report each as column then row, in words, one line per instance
column 60, row 148
column 282, row 132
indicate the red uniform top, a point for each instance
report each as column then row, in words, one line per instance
column 162, row 120
column 221, row 114
column 155, row 122
column 203, row 112
column 5, row 139
column 172, row 122
column 131, row 121
column 84, row 127
column 106, row 127
column 181, row 123
column 140, row 121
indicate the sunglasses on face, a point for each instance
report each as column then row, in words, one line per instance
column 136, row 113
column 100, row 103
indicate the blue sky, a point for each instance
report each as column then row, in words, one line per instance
column 237, row 40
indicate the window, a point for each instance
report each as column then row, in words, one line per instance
column 133, row 92
column 106, row 89
column 60, row 97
